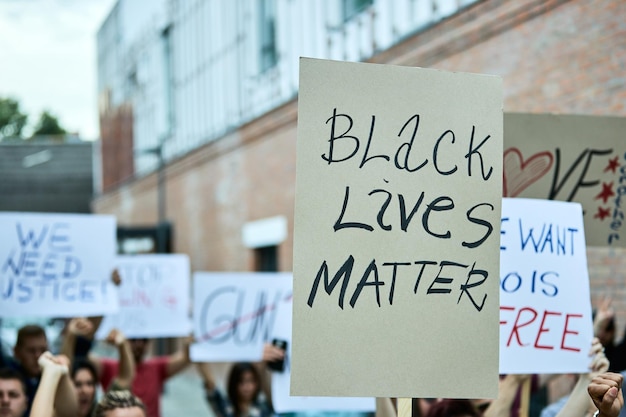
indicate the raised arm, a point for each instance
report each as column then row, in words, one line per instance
column 501, row 407
column 271, row 353
column 55, row 394
column 78, row 326
column 204, row 368
column 180, row 359
column 604, row 317
column 605, row 391
column 96, row 321
column 215, row 399
column 126, row 371
column 578, row 402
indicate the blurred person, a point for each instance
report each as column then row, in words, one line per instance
column 30, row 344
column 85, row 379
column 120, row 404
column 150, row 373
column 387, row 407
column 13, row 398
column 604, row 328
column 453, row 408
column 577, row 403
column 508, row 389
column 86, row 372
column 247, row 395
column 85, row 376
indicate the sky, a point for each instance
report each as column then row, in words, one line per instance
column 48, row 59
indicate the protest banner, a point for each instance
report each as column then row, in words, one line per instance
column 235, row 312
column 154, row 297
column 56, row 265
column 545, row 306
column 396, row 235
column 281, row 381
column 570, row 158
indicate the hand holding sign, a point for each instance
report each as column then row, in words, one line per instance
column 154, row 296
column 81, row 326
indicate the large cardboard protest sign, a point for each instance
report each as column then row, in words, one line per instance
column 545, row 307
column 56, row 265
column 570, row 158
column 235, row 312
column 154, row 297
column 396, row 260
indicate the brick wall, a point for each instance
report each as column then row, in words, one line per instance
column 116, row 136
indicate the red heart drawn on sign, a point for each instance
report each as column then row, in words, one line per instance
column 519, row 174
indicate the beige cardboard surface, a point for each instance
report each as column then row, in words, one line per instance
column 570, row 158
column 396, row 246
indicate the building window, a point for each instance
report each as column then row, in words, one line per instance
column 266, row 259
column 350, row 8
column 267, row 25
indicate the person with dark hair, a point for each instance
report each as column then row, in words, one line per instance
column 75, row 396
column 120, row 403
column 149, row 374
column 30, row 344
column 85, row 373
column 453, row 408
column 244, row 392
column 13, row 399
column 85, row 378
column 247, row 391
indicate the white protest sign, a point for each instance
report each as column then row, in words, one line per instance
column 545, row 307
column 234, row 313
column 56, row 265
column 281, row 381
column 396, row 232
column 154, row 297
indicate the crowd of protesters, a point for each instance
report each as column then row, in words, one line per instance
column 36, row 383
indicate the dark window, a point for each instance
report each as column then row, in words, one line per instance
column 266, row 259
column 135, row 240
column 351, row 8
column 267, row 24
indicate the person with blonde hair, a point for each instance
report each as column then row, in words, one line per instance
column 120, row 404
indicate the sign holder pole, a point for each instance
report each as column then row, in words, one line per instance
column 405, row 407
column 525, row 398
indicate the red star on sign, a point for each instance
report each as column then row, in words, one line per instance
column 607, row 191
column 613, row 165
column 601, row 214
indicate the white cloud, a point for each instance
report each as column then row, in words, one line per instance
column 48, row 58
